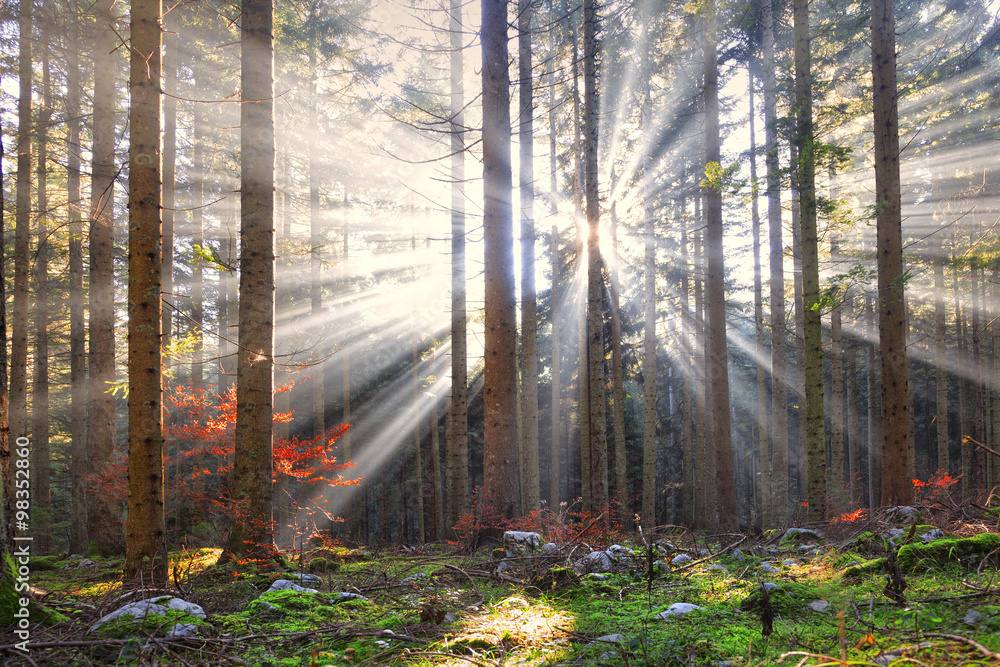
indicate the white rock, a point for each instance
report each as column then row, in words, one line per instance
column 306, row 579
column 934, row 534
column 595, row 561
column 522, row 538
column 182, row 630
column 416, row 577
column 767, row 567
column 680, row 559
column 678, row 609
column 819, row 605
column 788, row 562
column 86, row 562
column 550, row 549
column 802, row 534
column 161, row 605
column 344, row 595
column 609, row 639
column 381, row 644
column 718, row 568
column 286, row 585
column 738, row 555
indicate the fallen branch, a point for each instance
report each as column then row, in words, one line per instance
column 981, row 446
column 711, row 556
column 964, row 640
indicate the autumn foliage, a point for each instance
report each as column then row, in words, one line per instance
column 198, row 461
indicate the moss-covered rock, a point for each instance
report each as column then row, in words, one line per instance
column 918, row 555
column 556, row 577
column 867, row 567
column 45, row 563
column 157, row 625
column 786, row 599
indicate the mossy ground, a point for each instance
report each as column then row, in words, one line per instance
column 438, row 607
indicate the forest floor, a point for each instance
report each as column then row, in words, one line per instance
column 852, row 597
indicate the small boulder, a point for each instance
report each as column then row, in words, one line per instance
column 595, row 561
column 286, row 585
column 973, row 617
column 344, row 595
column 550, row 549
column 521, row 539
column 680, row 559
column 819, row 605
column 718, row 568
column 609, row 639
column 182, row 630
column 306, row 579
column 903, row 514
column 678, row 609
column 767, row 567
column 933, row 534
column 801, row 535
column 142, row 608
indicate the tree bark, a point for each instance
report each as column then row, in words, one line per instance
column 718, row 365
column 897, row 440
column 649, row 356
column 77, row 326
column 941, row 355
column 500, row 461
column 812, row 331
column 252, row 533
column 145, row 527
column 105, row 518
column 529, row 317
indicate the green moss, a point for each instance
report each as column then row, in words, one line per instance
column 44, row 563
column 789, row 598
column 918, row 555
column 868, row 567
column 318, row 565
column 151, row 624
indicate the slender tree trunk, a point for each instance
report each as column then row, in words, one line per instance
column 897, row 439
column 145, row 528
column 22, row 232
column 345, row 418
column 649, row 357
column 198, row 239
column 77, row 327
column 251, row 532
column 500, row 461
column 618, row 385
column 763, row 479
column 555, row 471
column 526, row 177
column 812, row 340
column 457, row 476
column 433, row 466
column 6, row 483
column 170, row 62
column 104, row 516
column 776, row 255
column 418, row 458
column 715, row 293
column 41, row 468
column 595, row 267
column 874, row 423
column 941, row 355
column 317, row 370
column 691, row 498
column 705, row 451
column 838, row 492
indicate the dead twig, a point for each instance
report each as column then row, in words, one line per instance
column 711, row 556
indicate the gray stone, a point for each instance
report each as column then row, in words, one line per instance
column 597, row 577
column 767, row 567
column 892, row 656
column 86, row 562
column 160, row 605
column 344, row 595
column 933, row 534
column 449, row 617
column 595, row 561
column 800, row 534
column 415, row 577
column 788, row 562
column 263, row 606
column 678, row 609
column 718, row 568
column 770, row 586
column 973, row 617
column 306, row 579
column 182, row 630
column 518, row 538
column 286, row 585
column 819, row 605
column 609, row 639
column 903, row 514
column 680, row 559
column 738, row 555
column 550, row 549
column 504, row 566
column 661, row 566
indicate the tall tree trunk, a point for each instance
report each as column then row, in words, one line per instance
column 690, row 456
column 705, row 451
column 41, row 464
column 418, row 457
column 595, row 267
column 6, row 483
column 874, row 422
column 897, row 440
column 763, row 479
column 77, row 326
column 251, row 531
column 556, row 396
column 500, row 460
column 316, row 370
column 812, row 340
column 776, row 255
column 715, row 290
column 529, row 318
column 941, row 356
column 838, row 492
column 22, row 232
column 649, row 355
column 457, row 476
column 198, row 239
column 145, row 527
column 171, row 57
column 345, row 417
column 618, row 385
column 104, row 516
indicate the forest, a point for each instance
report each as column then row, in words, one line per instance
column 307, row 281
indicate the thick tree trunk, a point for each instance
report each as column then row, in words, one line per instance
column 145, row 527
column 690, row 456
column 458, row 442
column 838, row 492
column 526, row 178
column 500, row 461
column 715, row 292
column 252, row 532
column 105, row 518
column 649, row 358
column 77, row 327
column 171, row 58
column 555, row 473
column 6, row 483
column 897, row 440
column 595, row 267
column 812, row 340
